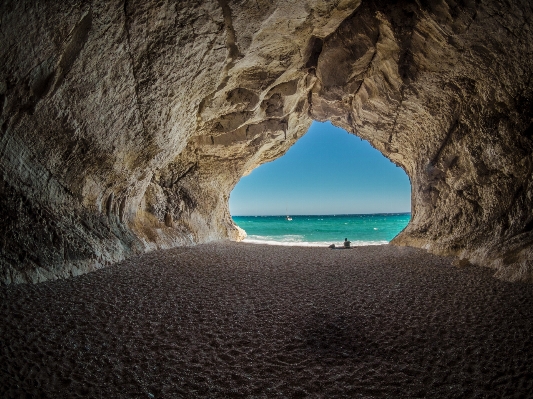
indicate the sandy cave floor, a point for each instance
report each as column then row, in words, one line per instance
column 241, row 320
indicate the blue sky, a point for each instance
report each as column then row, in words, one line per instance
column 327, row 171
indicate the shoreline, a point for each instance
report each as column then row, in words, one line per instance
column 248, row 320
column 321, row 230
column 317, row 244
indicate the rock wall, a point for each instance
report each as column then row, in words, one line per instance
column 126, row 124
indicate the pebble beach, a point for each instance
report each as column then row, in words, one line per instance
column 240, row 320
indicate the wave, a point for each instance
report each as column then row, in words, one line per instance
column 295, row 240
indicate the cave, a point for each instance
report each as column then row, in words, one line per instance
column 125, row 125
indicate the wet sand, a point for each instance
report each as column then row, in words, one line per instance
column 234, row 320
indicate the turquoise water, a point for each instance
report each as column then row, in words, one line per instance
column 319, row 230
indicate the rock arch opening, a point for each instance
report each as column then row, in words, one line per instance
column 124, row 129
column 330, row 185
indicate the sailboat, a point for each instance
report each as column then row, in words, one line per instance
column 288, row 217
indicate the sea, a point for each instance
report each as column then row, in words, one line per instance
column 320, row 230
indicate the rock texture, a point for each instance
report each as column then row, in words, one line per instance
column 125, row 125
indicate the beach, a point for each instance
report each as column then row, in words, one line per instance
column 240, row 320
column 323, row 230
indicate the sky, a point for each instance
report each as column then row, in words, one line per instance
column 326, row 172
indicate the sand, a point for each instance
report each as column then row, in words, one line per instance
column 235, row 320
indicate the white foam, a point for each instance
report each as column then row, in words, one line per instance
column 283, row 238
column 265, row 241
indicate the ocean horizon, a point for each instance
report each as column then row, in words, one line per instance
column 323, row 230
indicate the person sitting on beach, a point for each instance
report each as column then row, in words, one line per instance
column 347, row 243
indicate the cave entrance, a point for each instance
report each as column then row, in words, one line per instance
column 330, row 185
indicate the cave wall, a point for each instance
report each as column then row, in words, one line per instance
column 446, row 94
column 126, row 124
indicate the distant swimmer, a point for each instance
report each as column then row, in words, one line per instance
column 347, row 243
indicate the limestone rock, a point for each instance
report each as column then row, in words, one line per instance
column 125, row 125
